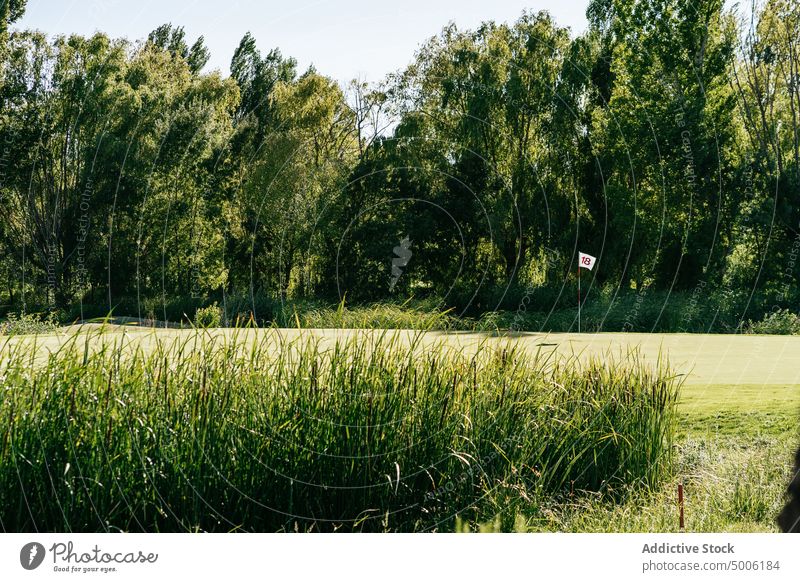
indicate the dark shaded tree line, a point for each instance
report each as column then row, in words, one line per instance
column 665, row 140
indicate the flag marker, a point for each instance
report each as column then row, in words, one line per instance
column 584, row 262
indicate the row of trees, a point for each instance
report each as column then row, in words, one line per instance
column 665, row 139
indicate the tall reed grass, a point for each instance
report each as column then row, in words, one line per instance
column 370, row 433
column 408, row 315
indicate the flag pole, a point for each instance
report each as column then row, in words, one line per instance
column 579, row 298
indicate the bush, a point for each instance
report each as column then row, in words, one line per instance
column 28, row 323
column 781, row 322
column 210, row 316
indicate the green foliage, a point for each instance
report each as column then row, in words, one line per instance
column 29, row 323
column 210, row 316
column 735, row 488
column 418, row 316
column 10, row 12
column 781, row 322
column 365, row 434
column 666, row 134
column 173, row 39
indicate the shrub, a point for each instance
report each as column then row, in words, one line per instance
column 28, row 323
column 210, row 316
column 781, row 322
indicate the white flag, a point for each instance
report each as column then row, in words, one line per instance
column 586, row 261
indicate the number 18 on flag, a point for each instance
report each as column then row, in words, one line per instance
column 586, row 261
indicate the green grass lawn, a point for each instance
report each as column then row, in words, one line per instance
column 730, row 410
column 735, row 377
column 705, row 359
column 737, row 421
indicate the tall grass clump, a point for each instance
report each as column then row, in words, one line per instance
column 408, row 315
column 253, row 432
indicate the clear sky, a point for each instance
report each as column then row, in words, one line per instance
column 342, row 38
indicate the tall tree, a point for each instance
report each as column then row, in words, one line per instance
column 10, row 12
column 173, row 39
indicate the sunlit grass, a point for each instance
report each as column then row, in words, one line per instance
column 224, row 433
column 730, row 485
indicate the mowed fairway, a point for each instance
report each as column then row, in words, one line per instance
column 722, row 374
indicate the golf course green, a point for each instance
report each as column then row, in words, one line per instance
column 748, row 372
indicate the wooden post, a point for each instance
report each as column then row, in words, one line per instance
column 680, row 507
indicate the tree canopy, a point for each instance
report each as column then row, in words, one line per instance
column 665, row 140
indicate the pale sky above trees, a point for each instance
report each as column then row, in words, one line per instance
column 341, row 38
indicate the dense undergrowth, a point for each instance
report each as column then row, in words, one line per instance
column 519, row 310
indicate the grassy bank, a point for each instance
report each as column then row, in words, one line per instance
column 367, row 434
